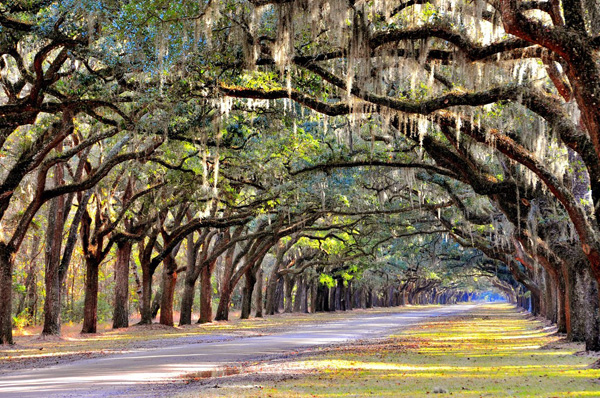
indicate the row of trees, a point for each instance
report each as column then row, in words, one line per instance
column 313, row 155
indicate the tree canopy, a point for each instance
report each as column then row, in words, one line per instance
column 345, row 153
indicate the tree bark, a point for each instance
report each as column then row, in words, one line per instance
column 189, row 282
column 144, row 254
column 335, row 296
column 52, row 281
column 31, row 296
column 224, row 301
column 124, row 248
column 300, row 293
column 168, row 293
column 121, row 305
column 360, row 299
column 146, row 307
column 332, row 303
column 319, row 298
column 535, row 302
column 155, row 306
column 563, row 307
column 550, row 298
column 272, row 283
column 248, row 291
column 313, row 296
column 325, row 295
column 206, row 292
column 187, row 301
column 226, row 288
column 349, row 295
column 90, row 309
column 258, row 304
column 280, row 296
column 27, row 298
column 288, row 289
column 7, row 257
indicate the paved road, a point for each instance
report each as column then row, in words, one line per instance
column 130, row 374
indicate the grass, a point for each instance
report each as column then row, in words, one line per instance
column 493, row 351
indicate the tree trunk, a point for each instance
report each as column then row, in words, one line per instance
column 279, row 295
column 224, row 301
column 226, row 290
column 138, row 286
column 535, row 303
column 28, row 299
column 247, row 292
column 226, row 286
column 90, row 307
column 359, row 297
column 52, row 302
column 563, row 310
column 298, row 296
column 550, row 296
column 290, row 281
column 6, row 270
column 146, row 307
column 306, row 291
column 206, row 293
column 189, row 282
column 318, row 297
column 342, row 296
column 369, row 299
column 187, row 300
column 145, row 249
column 258, row 303
column 337, row 295
column 349, row 296
column 586, row 290
column 579, row 307
column 272, row 283
column 121, row 307
column 31, row 295
column 326, row 299
column 168, row 293
column 313, row 296
column 155, row 307
column 332, row 301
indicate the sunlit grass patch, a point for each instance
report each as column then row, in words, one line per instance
column 494, row 351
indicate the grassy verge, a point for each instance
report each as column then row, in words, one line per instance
column 493, row 351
